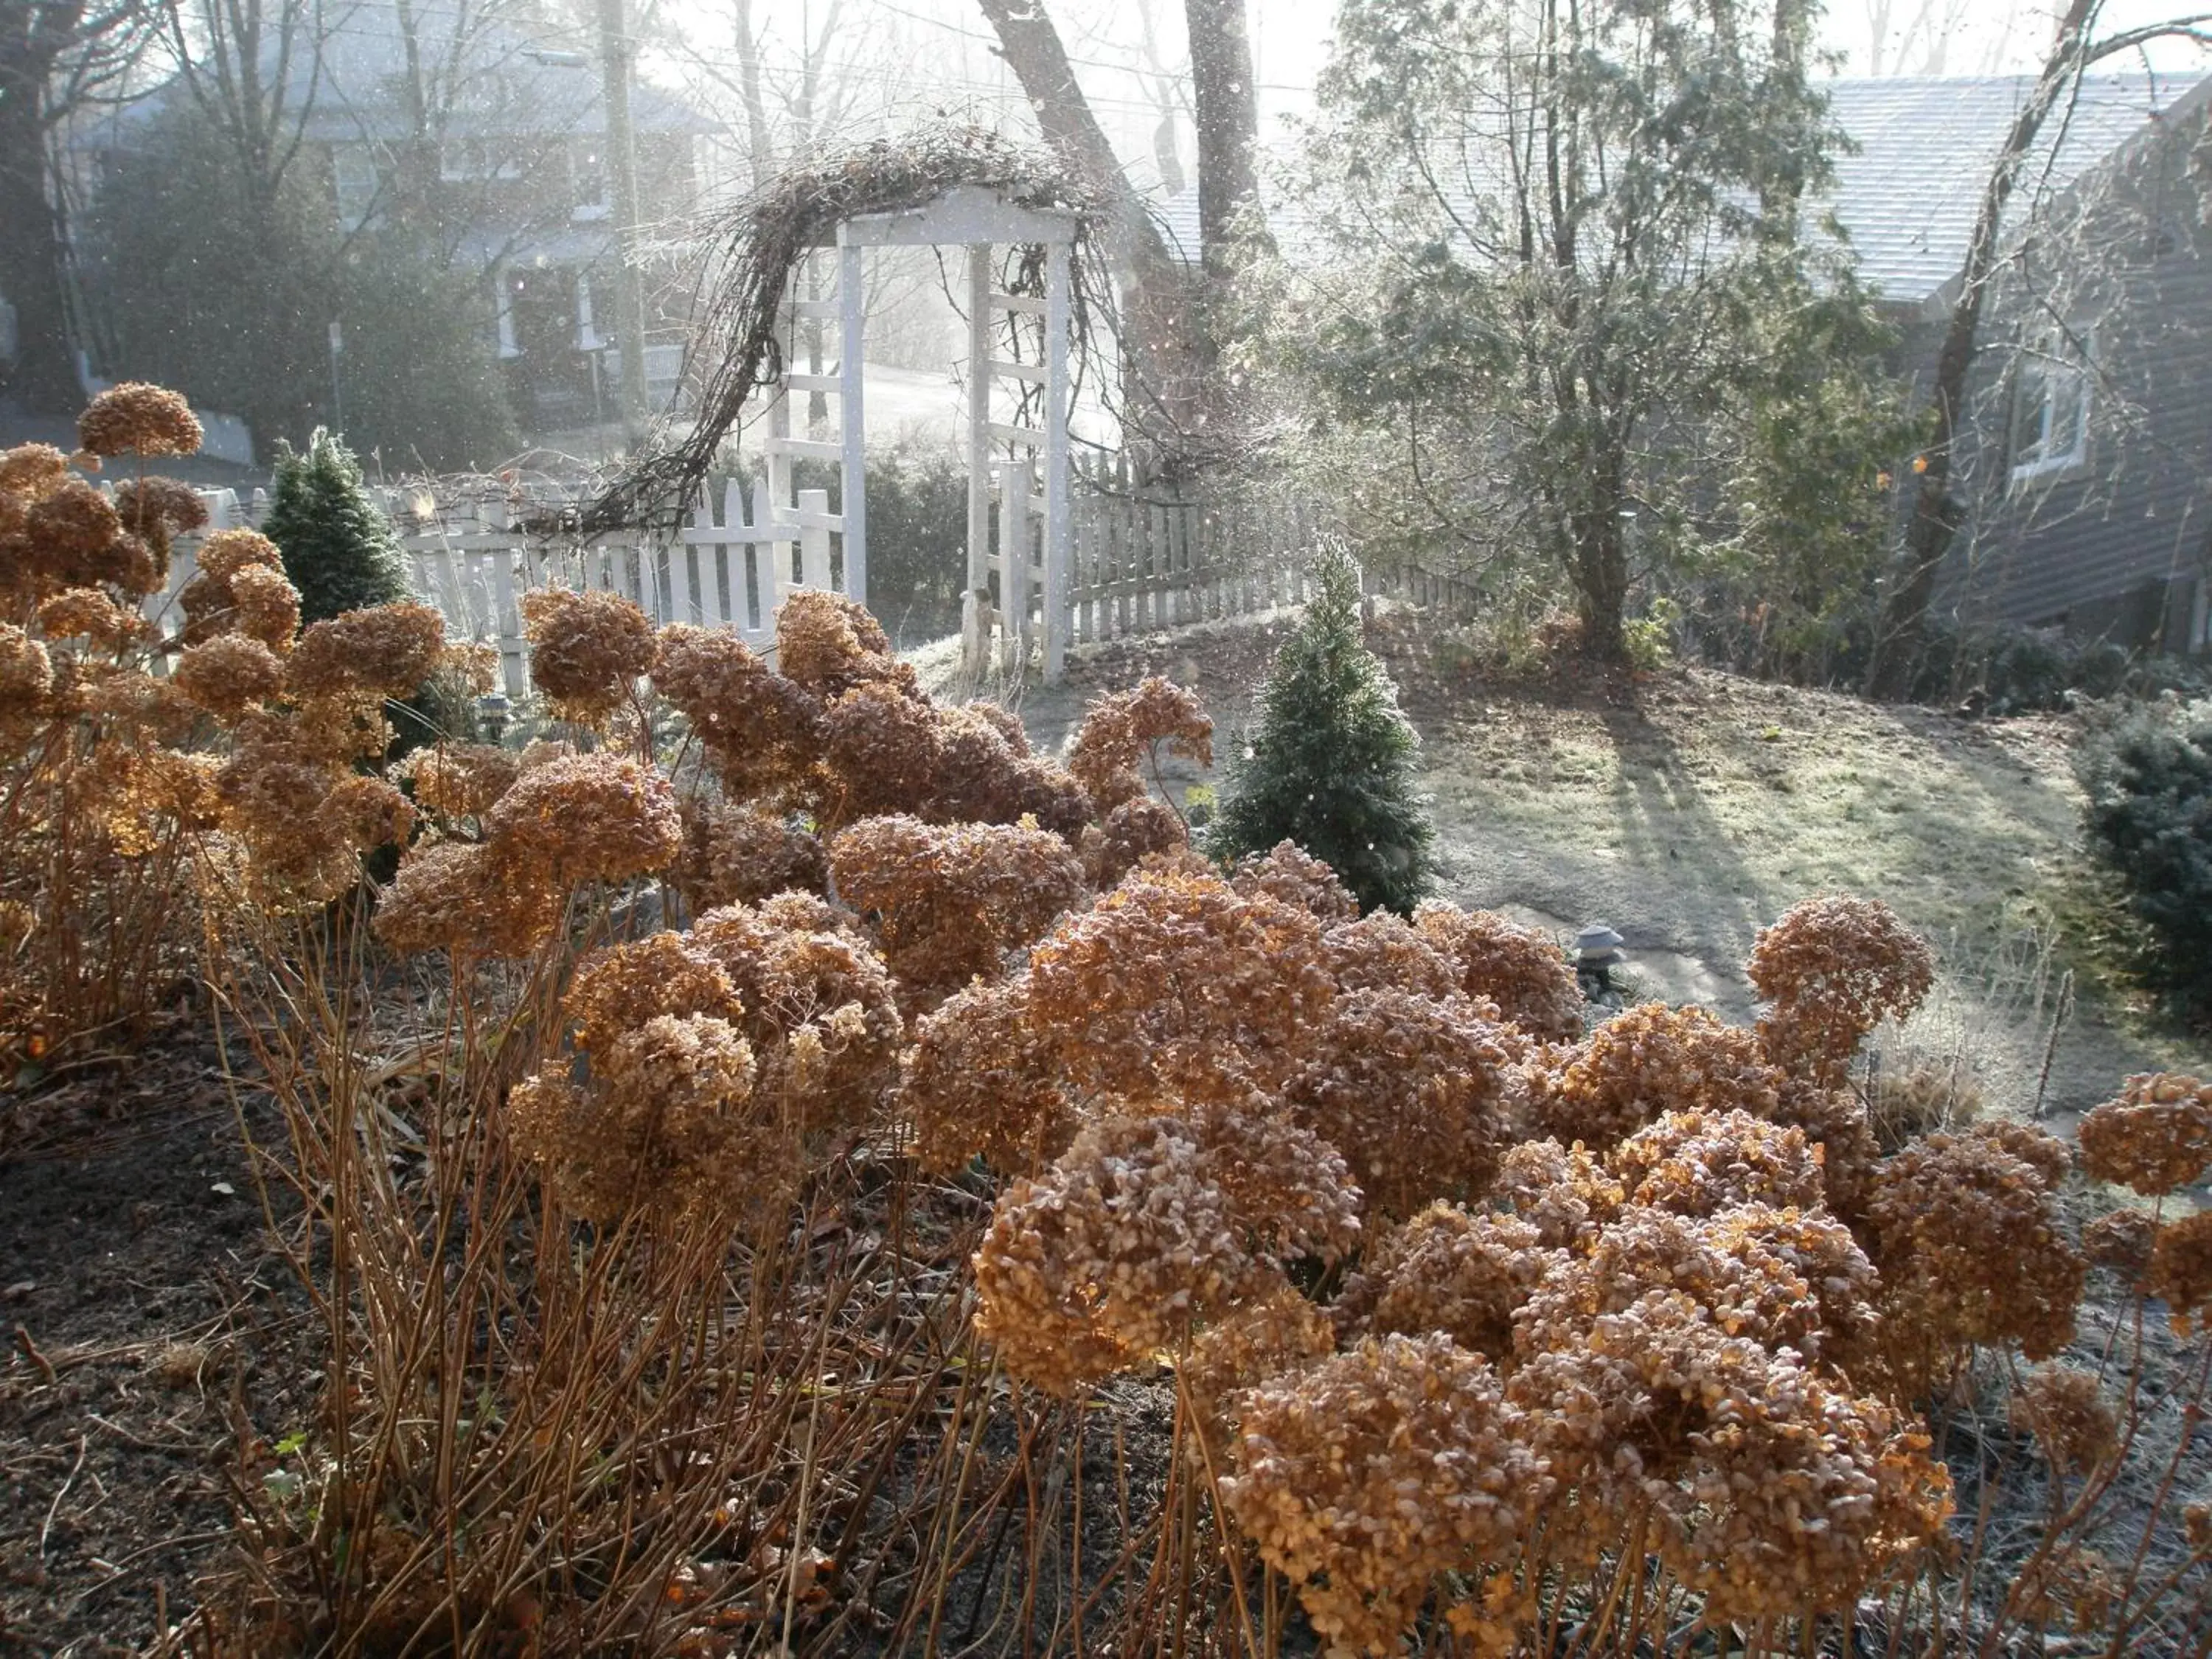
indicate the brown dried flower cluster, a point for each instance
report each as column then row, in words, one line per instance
column 1116, row 1254
column 1290, row 875
column 1365, row 1475
column 240, row 588
column 2065, row 1409
column 1124, row 727
column 229, row 674
column 89, row 614
column 978, row 1083
column 818, row 1008
column 461, row 780
column 135, row 418
column 587, row 818
column 1648, row 1059
column 1831, row 969
column 1455, row 1272
column 586, row 651
column 1139, row 830
column 879, row 753
column 1698, row 1162
column 303, row 821
column 1967, row 1236
column 1411, row 1089
column 761, row 730
column 2122, row 1242
column 1382, row 952
column 1524, row 973
column 2155, row 1137
column 1566, row 1193
column 828, row 645
column 1174, row 984
column 740, row 854
column 2181, row 1271
column 386, row 652
column 949, row 901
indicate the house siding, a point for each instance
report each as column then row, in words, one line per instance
column 2116, row 546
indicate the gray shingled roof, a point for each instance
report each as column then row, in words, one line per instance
column 514, row 91
column 1908, row 198
column 1925, row 148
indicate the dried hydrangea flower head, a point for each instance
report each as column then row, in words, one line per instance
column 880, row 754
column 1365, row 1475
column 1566, row 1193
column 1124, row 727
column 29, row 472
column 987, row 775
column 1458, row 1273
column 461, row 780
column 738, row 853
column 1382, row 952
column 1652, row 1059
column 2065, row 1409
column 229, row 674
column 456, row 896
column 1782, row 1277
column 1968, row 1239
column 979, row 1082
column 586, row 651
column 587, row 818
column 949, row 900
column 87, row 614
column 1138, row 829
column 761, row 730
column 1264, row 1340
column 388, row 651
column 2155, row 1137
column 820, row 1009
column 1174, row 984
column 1114, row 1254
column 27, row 677
column 1289, row 874
column 2181, row 1271
column 662, row 1125
column 302, row 822
column 1411, row 1088
column 135, row 418
column 1830, row 971
column 621, row 987
column 829, row 644
column 1806, row 1498
column 2122, row 1242
column 240, row 588
column 158, row 509
column 1524, row 973
column 1700, row 1162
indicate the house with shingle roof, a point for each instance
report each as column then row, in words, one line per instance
column 517, row 133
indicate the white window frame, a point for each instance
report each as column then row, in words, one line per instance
column 2055, row 370
column 468, row 160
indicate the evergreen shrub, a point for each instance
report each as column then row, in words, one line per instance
column 1331, row 765
column 2148, row 779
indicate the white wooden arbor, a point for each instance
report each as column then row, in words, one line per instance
column 1030, row 551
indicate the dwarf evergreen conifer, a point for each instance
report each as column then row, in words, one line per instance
column 1331, row 766
column 339, row 548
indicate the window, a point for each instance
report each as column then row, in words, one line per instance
column 471, row 158
column 2051, row 409
column 590, row 175
column 354, row 177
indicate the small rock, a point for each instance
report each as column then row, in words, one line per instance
column 224, row 1187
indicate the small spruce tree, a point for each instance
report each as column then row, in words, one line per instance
column 1331, row 766
column 339, row 548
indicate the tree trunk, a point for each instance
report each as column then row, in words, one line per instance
column 1899, row 633
column 44, row 374
column 1227, row 109
column 1159, row 381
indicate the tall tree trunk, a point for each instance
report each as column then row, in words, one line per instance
column 1160, row 383
column 1227, row 109
column 44, row 374
column 1899, row 632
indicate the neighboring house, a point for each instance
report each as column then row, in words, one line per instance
column 2085, row 482
column 515, row 127
column 2085, row 471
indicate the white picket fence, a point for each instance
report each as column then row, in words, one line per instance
column 474, row 563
